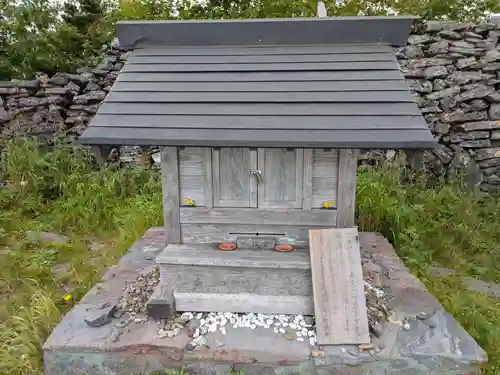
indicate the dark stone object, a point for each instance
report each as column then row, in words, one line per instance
column 419, row 39
column 466, row 63
column 494, row 111
column 435, row 72
column 436, row 48
column 101, row 315
column 460, row 116
column 476, row 93
column 449, row 34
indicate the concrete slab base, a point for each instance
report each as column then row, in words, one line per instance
column 436, row 345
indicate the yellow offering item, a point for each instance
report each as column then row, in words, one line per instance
column 189, row 202
column 327, row 204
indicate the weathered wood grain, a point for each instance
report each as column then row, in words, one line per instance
column 324, row 176
column 282, row 172
column 339, row 299
column 244, row 303
column 208, row 177
column 192, row 182
column 216, row 233
column 307, row 183
column 170, row 190
column 232, row 178
column 239, row 280
column 257, row 216
column 346, row 196
column 208, row 255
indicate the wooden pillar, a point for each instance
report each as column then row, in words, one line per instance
column 170, row 191
column 415, row 159
column 101, row 152
column 346, row 195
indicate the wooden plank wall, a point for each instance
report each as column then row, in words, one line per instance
column 346, row 194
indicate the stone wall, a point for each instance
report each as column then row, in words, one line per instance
column 453, row 70
column 57, row 107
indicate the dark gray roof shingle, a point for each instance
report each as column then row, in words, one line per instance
column 330, row 96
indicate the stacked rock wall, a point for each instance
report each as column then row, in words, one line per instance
column 453, row 70
column 48, row 108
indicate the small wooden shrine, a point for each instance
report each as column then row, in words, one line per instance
column 260, row 123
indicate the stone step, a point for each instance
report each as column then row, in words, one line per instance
column 202, row 288
column 243, row 303
column 209, row 255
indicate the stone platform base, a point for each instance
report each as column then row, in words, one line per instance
column 436, row 345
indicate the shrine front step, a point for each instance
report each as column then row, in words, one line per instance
column 200, row 278
column 209, row 255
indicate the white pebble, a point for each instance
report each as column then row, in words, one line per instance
column 302, row 323
column 293, row 325
column 304, row 331
column 285, row 324
column 406, row 326
column 253, row 326
column 343, row 350
column 187, row 316
column 310, row 333
column 300, row 339
column 235, row 325
column 196, row 333
column 298, row 334
column 223, row 330
column 282, row 330
column 311, row 341
column 275, row 330
column 199, row 315
column 277, row 324
column 269, row 321
column 203, row 321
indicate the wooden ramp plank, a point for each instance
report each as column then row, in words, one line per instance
column 338, row 290
column 244, row 303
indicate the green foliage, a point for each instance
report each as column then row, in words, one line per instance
column 225, row 9
column 443, row 225
column 39, row 36
column 422, row 221
column 145, row 9
column 460, row 10
column 65, row 186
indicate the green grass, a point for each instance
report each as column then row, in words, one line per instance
column 63, row 191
